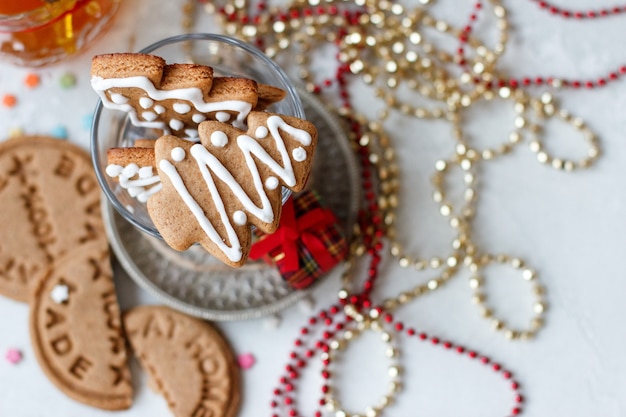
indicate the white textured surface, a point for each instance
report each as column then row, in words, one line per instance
column 570, row 227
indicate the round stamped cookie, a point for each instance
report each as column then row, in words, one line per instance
column 76, row 330
column 49, row 200
column 189, row 362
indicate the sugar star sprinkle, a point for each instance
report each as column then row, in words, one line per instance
column 60, row 294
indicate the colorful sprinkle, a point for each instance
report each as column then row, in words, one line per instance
column 246, row 360
column 60, row 294
column 13, row 356
column 67, row 80
column 59, row 132
column 15, row 132
column 32, row 80
column 86, row 121
column 9, row 100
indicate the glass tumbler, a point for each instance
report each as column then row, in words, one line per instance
column 228, row 57
column 39, row 32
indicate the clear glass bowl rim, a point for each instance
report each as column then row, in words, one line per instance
column 229, row 40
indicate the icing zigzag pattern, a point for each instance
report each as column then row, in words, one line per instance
column 208, row 181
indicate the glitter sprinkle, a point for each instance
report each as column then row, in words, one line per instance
column 246, row 360
column 32, row 80
column 9, row 100
column 59, row 132
column 13, row 356
column 67, row 80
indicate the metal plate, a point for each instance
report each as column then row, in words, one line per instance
column 198, row 284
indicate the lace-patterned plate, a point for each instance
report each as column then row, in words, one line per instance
column 198, row 284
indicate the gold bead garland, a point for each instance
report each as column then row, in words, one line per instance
column 389, row 48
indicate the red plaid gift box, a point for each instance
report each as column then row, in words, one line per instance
column 307, row 243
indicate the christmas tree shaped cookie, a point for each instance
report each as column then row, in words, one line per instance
column 212, row 191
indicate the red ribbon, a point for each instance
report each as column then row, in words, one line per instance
column 291, row 231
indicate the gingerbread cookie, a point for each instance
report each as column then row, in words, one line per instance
column 38, row 177
column 188, row 361
column 76, row 330
column 174, row 98
column 213, row 191
column 134, row 169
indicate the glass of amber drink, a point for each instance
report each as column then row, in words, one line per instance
column 39, row 32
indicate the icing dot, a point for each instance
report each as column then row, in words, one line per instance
column 149, row 116
column 118, row 98
column 222, row 116
column 178, row 154
column 114, row 170
column 176, row 124
column 198, row 118
column 192, row 133
column 240, row 218
column 60, row 294
column 159, row 109
column 219, row 139
column 271, row 183
column 299, row 154
column 261, row 132
column 182, row 108
column 130, row 170
column 146, row 102
column 145, row 172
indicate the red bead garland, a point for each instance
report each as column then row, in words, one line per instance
column 579, row 14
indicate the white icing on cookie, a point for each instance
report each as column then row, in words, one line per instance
column 178, row 154
column 149, row 116
column 146, row 102
column 181, row 108
column 240, row 218
column 193, row 95
column 192, row 133
column 211, row 167
column 222, row 116
column 60, row 293
column 261, row 132
column 142, row 188
column 271, row 183
column 145, row 172
column 159, row 109
column 176, row 124
column 198, row 118
column 299, row 154
column 219, row 139
column 118, row 98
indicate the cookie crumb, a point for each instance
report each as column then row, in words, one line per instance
column 9, row 100
column 32, row 80
column 13, row 356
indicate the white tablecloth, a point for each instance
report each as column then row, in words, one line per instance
column 569, row 226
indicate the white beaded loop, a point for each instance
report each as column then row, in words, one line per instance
column 394, row 371
column 480, row 299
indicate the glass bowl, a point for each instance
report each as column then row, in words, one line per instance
column 228, row 57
